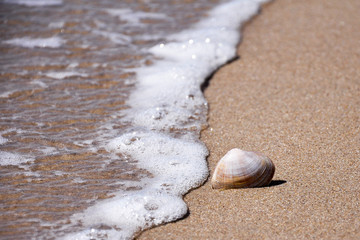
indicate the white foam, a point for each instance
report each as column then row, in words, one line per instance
column 51, row 42
column 35, row 3
column 49, row 150
column 3, row 140
column 174, row 162
column 39, row 83
column 7, row 158
column 134, row 17
column 62, row 75
column 73, row 65
column 78, row 180
column 167, row 95
column 131, row 213
column 7, row 94
column 114, row 37
column 56, row 25
column 148, row 37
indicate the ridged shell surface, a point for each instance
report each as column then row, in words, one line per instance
column 242, row 169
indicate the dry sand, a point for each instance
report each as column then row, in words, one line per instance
column 294, row 95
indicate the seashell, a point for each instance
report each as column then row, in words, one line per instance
column 242, row 169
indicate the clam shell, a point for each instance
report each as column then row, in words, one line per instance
column 242, row 169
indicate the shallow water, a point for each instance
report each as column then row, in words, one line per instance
column 86, row 117
column 61, row 99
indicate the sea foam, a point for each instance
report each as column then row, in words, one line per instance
column 7, row 158
column 62, row 75
column 134, row 17
column 27, row 42
column 166, row 114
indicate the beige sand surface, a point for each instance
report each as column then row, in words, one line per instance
column 294, row 95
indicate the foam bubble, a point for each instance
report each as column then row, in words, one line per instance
column 178, row 163
column 52, row 42
column 7, row 158
column 131, row 213
column 62, row 75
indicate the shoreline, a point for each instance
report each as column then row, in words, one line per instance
column 293, row 95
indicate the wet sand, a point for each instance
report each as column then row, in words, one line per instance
column 294, row 95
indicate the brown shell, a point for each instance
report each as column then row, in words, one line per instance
column 242, row 169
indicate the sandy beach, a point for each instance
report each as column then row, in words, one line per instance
column 293, row 95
